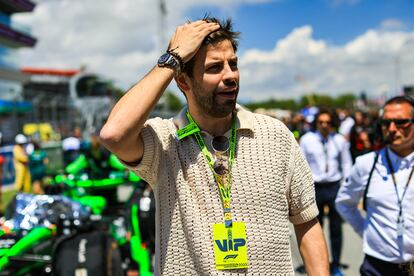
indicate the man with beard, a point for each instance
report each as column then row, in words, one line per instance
column 383, row 180
column 227, row 181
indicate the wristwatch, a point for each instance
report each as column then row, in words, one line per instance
column 169, row 61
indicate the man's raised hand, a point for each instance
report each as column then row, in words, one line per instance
column 187, row 38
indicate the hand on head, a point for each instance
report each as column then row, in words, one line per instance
column 188, row 38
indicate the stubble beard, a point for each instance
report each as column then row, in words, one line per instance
column 209, row 104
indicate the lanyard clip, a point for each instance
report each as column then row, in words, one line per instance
column 188, row 130
column 228, row 221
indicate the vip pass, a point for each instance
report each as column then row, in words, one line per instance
column 230, row 246
column 229, row 239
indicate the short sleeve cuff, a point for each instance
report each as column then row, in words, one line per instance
column 145, row 167
column 305, row 215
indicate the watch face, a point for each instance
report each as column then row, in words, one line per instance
column 163, row 59
column 167, row 60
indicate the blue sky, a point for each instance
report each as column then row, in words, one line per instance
column 334, row 21
column 288, row 48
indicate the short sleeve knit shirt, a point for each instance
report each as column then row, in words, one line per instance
column 271, row 184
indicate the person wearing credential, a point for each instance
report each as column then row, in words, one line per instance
column 383, row 179
column 226, row 181
column 329, row 158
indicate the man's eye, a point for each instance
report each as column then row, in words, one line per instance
column 233, row 64
column 213, row 68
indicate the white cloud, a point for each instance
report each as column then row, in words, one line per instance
column 113, row 39
column 374, row 42
column 375, row 62
column 119, row 39
column 298, row 42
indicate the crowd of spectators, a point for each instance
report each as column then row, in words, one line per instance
column 360, row 128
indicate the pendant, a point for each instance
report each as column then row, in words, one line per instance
column 400, row 226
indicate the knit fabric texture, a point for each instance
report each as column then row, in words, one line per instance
column 271, row 184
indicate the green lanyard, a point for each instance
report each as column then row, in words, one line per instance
column 224, row 188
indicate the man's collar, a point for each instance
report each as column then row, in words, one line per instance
column 406, row 161
column 243, row 118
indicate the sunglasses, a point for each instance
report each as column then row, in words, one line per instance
column 220, row 145
column 399, row 123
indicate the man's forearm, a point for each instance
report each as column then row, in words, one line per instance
column 312, row 247
column 120, row 133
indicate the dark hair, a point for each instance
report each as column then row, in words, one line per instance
column 333, row 116
column 224, row 33
column 400, row 100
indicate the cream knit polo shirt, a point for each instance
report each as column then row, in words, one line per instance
column 271, row 184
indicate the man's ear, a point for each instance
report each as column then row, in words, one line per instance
column 182, row 82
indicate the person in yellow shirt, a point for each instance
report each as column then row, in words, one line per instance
column 21, row 165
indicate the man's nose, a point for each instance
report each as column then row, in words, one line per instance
column 230, row 73
column 392, row 127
